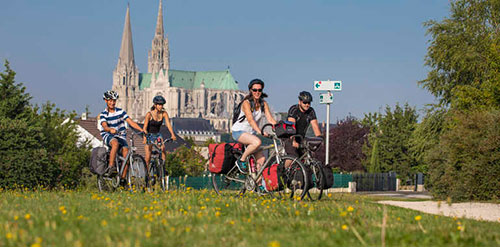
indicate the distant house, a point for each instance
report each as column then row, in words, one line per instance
column 199, row 129
column 87, row 129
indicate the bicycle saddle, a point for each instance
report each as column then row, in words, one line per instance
column 313, row 143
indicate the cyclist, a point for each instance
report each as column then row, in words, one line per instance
column 152, row 123
column 111, row 123
column 302, row 114
column 244, row 130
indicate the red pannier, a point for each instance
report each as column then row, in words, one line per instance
column 273, row 178
column 285, row 129
column 221, row 157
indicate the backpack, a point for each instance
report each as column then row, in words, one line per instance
column 221, row 157
column 98, row 160
column 272, row 178
column 285, row 129
column 237, row 110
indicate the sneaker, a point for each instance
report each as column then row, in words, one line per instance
column 242, row 166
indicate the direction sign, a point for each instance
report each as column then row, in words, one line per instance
column 327, row 85
column 326, row 98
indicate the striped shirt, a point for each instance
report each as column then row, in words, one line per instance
column 115, row 120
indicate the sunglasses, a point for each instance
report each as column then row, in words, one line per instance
column 306, row 103
column 257, row 90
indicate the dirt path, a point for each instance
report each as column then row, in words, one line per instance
column 471, row 210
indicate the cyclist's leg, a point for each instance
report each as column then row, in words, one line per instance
column 252, row 142
column 115, row 145
column 124, row 145
column 163, row 152
column 290, row 150
column 259, row 159
column 147, row 149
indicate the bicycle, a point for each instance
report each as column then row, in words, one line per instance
column 294, row 179
column 134, row 175
column 156, row 171
column 318, row 177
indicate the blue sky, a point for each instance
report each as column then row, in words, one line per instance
column 65, row 51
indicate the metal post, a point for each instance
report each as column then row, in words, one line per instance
column 327, row 132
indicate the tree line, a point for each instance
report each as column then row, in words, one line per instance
column 457, row 142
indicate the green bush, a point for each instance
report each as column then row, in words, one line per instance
column 38, row 147
column 185, row 161
column 465, row 165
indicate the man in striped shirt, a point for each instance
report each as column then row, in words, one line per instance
column 111, row 123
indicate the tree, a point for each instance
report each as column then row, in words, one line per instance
column 346, row 142
column 463, row 54
column 37, row 146
column 389, row 148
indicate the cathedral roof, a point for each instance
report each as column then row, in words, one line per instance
column 194, row 79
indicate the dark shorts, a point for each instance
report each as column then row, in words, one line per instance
column 153, row 137
column 290, row 150
column 121, row 141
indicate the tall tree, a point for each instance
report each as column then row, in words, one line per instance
column 389, row 147
column 463, row 54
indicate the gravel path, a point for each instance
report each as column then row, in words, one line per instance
column 471, row 210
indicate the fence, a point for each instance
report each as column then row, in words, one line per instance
column 375, row 181
column 205, row 182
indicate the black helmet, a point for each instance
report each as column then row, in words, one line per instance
column 158, row 99
column 110, row 94
column 255, row 81
column 305, row 97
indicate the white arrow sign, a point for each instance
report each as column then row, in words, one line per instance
column 328, row 85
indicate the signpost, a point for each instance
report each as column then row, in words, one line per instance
column 327, row 98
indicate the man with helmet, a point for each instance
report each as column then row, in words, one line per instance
column 152, row 123
column 302, row 114
column 111, row 123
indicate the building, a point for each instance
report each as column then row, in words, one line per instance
column 210, row 95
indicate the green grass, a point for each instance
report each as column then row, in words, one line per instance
column 201, row 218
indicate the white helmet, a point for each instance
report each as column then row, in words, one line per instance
column 110, row 94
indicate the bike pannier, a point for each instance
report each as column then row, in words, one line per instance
column 221, row 157
column 296, row 178
column 272, row 178
column 98, row 160
column 327, row 171
column 285, row 129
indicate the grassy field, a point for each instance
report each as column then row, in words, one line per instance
column 201, row 218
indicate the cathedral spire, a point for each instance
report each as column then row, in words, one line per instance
column 127, row 49
column 159, row 55
column 159, row 22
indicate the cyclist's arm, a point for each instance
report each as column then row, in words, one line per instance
column 133, row 124
column 106, row 128
column 269, row 116
column 146, row 122
column 169, row 126
column 245, row 107
column 315, row 126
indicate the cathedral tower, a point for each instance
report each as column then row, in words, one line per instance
column 159, row 56
column 126, row 74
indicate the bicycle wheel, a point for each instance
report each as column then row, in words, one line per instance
column 160, row 171
column 296, row 177
column 318, row 181
column 228, row 184
column 106, row 184
column 137, row 173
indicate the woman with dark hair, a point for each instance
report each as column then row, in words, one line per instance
column 244, row 130
column 152, row 123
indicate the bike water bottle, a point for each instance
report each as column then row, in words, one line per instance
column 252, row 165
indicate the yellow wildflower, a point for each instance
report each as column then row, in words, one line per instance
column 104, row 223
column 148, row 234
column 27, row 216
column 418, row 217
column 343, row 214
column 9, row 235
column 274, row 244
column 344, row 227
column 350, row 209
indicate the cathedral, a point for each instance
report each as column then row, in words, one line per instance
column 210, row 95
